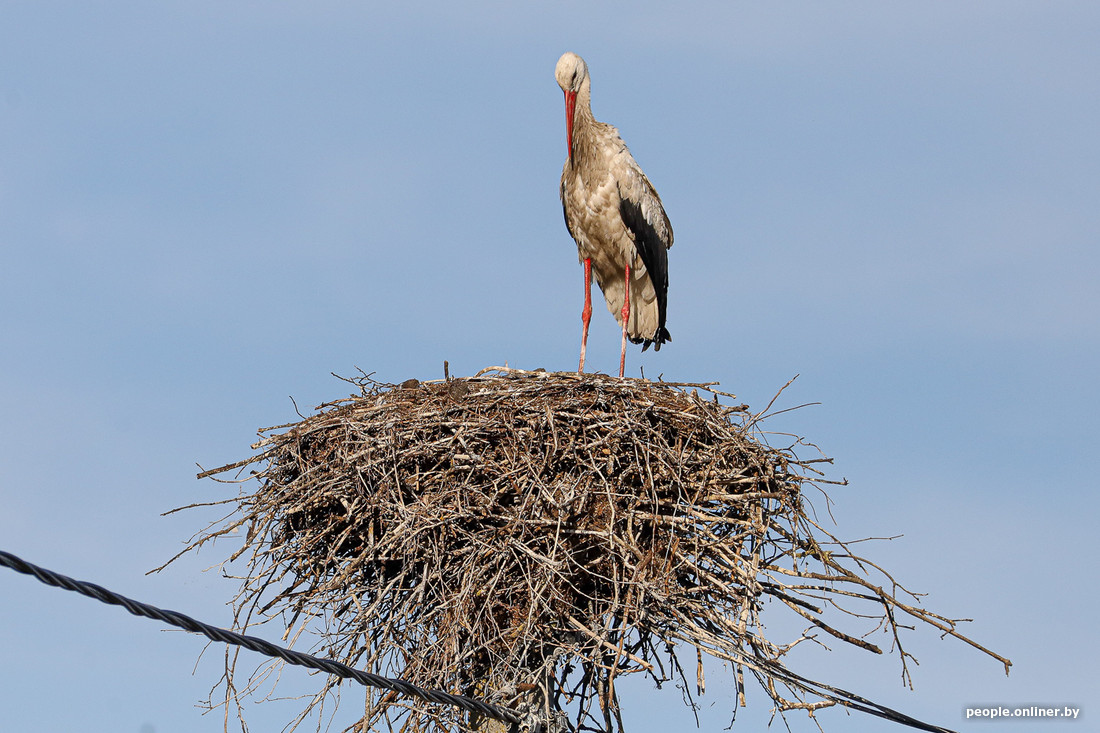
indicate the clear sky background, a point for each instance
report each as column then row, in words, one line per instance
column 207, row 207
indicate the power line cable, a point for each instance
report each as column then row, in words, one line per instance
column 256, row 644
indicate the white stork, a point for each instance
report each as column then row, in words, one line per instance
column 616, row 217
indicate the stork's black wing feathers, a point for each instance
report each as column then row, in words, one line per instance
column 653, row 250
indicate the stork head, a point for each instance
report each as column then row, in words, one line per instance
column 571, row 73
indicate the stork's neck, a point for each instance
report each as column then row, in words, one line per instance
column 583, row 122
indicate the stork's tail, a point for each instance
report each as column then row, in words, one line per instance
column 662, row 336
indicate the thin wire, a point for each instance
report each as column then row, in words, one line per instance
column 256, row 644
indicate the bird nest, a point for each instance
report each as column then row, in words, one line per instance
column 529, row 537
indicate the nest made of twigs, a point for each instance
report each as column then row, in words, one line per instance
column 528, row 537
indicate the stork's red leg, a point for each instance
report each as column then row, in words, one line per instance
column 586, row 314
column 626, row 319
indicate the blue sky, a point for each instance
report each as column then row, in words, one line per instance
column 208, row 207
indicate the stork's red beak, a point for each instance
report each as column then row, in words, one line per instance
column 570, row 105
